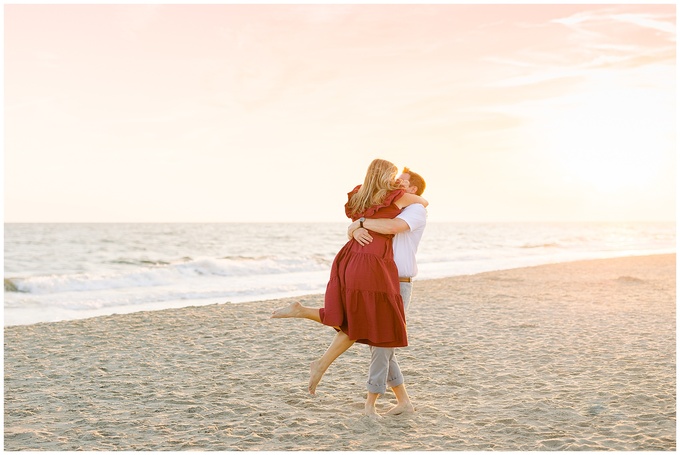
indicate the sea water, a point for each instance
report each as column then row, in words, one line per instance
column 58, row 272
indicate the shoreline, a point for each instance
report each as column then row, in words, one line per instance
column 568, row 356
column 178, row 304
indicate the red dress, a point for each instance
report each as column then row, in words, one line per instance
column 362, row 295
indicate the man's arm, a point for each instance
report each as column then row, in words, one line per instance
column 380, row 225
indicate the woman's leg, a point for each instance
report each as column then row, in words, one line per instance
column 296, row 310
column 340, row 344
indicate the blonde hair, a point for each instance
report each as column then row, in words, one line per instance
column 379, row 181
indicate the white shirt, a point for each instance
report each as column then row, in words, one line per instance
column 405, row 244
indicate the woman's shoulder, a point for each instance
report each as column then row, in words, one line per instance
column 388, row 202
column 353, row 192
column 394, row 195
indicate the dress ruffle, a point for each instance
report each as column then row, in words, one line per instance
column 389, row 200
column 362, row 296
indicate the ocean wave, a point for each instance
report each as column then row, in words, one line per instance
column 240, row 257
column 541, row 245
column 146, row 268
column 161, row 274
column 140, row 262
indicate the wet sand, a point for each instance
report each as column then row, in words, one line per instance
column 574, row 356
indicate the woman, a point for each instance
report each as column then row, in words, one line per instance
column 362, row 296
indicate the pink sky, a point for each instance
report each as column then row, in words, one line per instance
column 273, row 112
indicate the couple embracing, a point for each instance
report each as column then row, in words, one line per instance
column 371, row 280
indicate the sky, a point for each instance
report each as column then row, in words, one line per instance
column 272, row 113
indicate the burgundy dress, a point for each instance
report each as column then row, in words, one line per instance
column 362, row 295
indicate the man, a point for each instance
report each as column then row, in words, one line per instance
column 408, row 228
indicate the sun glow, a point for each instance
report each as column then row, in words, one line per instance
column 605, row 143
column 511, row 112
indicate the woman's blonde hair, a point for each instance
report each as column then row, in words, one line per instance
column 379, row 181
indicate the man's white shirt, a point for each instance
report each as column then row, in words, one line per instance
column 405, row 244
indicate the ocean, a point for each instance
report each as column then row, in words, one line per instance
column 56, row 272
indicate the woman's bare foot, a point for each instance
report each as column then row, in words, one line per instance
column 291, row 311
column 316, row 372
column 401, row 408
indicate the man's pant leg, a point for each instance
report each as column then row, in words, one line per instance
column 379, row 369
column 384, row 369
column 406, row 289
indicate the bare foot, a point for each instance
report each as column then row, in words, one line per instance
column 316, row 372
column 401, row 408
column 370, row 412
column 291, row 311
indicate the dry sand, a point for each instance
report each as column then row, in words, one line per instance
column 576, row 356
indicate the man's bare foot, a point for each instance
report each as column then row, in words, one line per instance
column 291, row 311
column 316, row 372
column 370, row 412
column 401, row 408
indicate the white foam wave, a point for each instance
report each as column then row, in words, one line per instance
column 161, row 275
column 160, row 266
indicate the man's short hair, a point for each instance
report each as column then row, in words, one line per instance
column 415, row 180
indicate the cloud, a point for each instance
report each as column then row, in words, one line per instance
column 590, row 21
column 661, row 23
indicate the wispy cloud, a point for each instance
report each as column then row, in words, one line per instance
column 664, row 24
column 590, row 22
column 596, row 39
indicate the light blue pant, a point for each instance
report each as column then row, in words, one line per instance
column 384, row 370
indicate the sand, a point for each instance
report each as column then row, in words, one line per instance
column 574, row 356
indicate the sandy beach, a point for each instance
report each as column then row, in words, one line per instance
column 573, row 356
